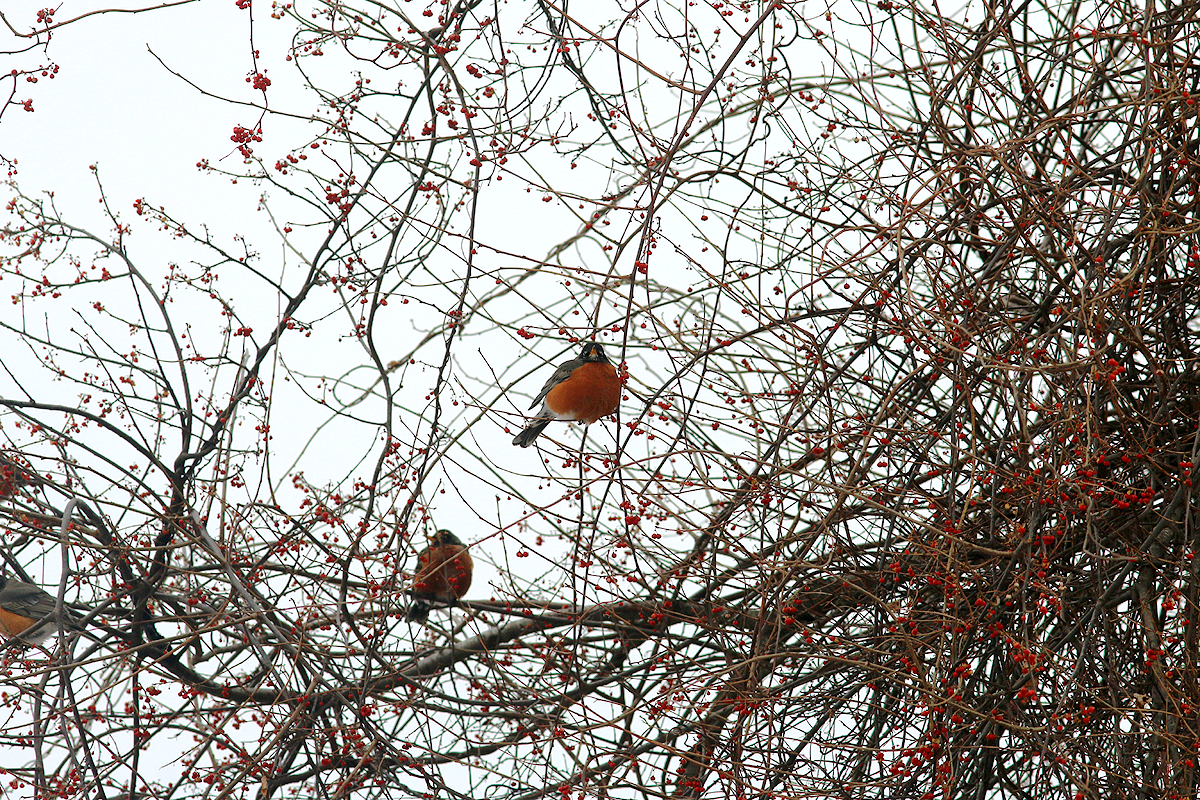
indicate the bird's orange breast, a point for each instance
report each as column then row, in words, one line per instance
column 593, row 391
column 14, row 624
column 443, row 572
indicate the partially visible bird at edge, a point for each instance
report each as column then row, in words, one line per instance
column 27, row 612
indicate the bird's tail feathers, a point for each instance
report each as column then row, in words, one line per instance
column 418, row 611
column 527, row 436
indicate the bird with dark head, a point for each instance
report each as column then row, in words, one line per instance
column 583, row 389
column 26, row 611
column 443, row 574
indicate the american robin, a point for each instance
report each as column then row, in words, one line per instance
column 443, row 574
column 583, row 389
column 22, row 606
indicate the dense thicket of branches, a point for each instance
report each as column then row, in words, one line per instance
column 899, row 502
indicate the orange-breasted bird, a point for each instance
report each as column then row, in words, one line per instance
column 583, row 389
column 23, row 606
column 443, row 574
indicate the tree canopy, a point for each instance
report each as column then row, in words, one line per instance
column 898, row 500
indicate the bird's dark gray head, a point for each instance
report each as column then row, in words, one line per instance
column 446, row 537
column 592, row 351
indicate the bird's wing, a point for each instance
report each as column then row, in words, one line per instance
column 561, row 374
column 27, row 600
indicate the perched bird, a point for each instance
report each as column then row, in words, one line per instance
column 443, row 574
column 22, row 606
column 583, row 389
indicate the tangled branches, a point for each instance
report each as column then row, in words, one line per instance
column 898, row 502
